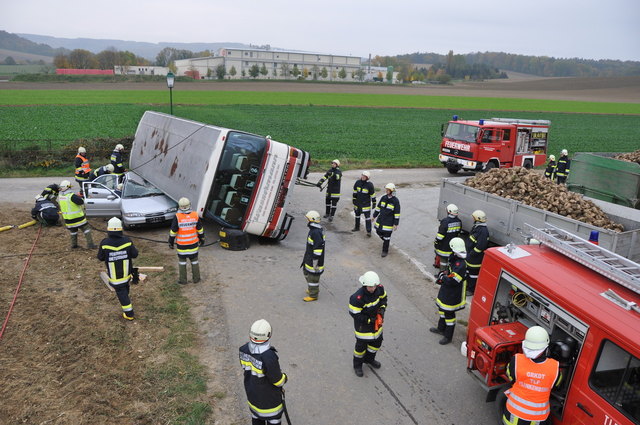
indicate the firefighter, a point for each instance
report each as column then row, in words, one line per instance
column 105, row 169
column 451, row 296
column 117, row 251
column 477, row 243
column 386, row 216
column 72, row 208
column 364, row 200
column 83, row 169
column 187, row 232
column 449, row 228
column 117, row 161
column 367, row 307
column 550, row 171
column 334, row 175
column 45, row 211
column 314, row 253
column 533, row 375
column 51, row 192
column 263, row 378
column 563, row 168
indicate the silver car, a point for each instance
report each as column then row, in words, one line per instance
column 139, row 203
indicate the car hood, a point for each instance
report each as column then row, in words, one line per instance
column 148, row 205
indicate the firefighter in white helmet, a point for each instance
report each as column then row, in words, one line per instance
column 105, row 169
column 334, row 177
column 45, row 211
column 386, row 216
column 367, row 307
column 117, row 161
column 533, row 375
column 364, row 200
column 117, row 251
column 449, row 228
column 550, row 171
column 72, row 208
column 313, row 261
column 563, row 168
column 477, row 243
column 82, row 166
column 263, row 378
column 451, row 296
column 188, row 234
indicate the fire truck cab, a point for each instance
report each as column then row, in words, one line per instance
column 492, row 143
column 587, row 298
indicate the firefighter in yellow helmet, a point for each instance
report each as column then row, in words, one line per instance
column 533, row 375
column 188, row 234
column 118, row 252
column 263, row 378
column 313, row 261
column 72, row 208
column 334, row 175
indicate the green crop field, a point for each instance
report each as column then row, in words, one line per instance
column 371, row 136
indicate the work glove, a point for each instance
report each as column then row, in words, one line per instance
column 170, row 243
column 202, row 242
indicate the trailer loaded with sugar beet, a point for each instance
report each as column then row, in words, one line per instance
column 514, row 198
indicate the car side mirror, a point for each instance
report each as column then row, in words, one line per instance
column 111, row 197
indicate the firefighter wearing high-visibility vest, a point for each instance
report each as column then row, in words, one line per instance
column 449, row 228
column 364, row 200
column 451, row 296
column 533, row 376
column 117, row 161
column 263, row 378
column 83, row 168
column 367, row 307
column 477, row 243
column 117, row 251
column 550, row 171
column 334, row 175
column 72, row 208
column 386, row 216
column 563, row 168
column 313, row 261
column 188, row 234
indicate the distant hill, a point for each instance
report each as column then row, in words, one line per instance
column 145, row 50
column 16, row 43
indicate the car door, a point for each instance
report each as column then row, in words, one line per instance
column 101, row 201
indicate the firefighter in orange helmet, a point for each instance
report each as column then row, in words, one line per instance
column 187, row 232
column 533, row 375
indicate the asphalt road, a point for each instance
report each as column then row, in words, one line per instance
column 420, row 382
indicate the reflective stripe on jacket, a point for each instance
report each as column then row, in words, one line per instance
column 315, row 249
column 117, row 251
column 449, row 228
column 263, row 380
column 452, row 293
column 387, row 213
column 116, row 161
column 83, row 169
column 363, row 307
column 187, row 231
column 528, row 398
column 72, row 210
column 364, row 194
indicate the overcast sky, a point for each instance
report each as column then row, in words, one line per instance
column 590, row 29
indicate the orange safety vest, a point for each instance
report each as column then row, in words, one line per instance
column 528, row 399
column 187, row 232
column 84, row 168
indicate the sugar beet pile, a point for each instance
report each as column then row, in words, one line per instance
column 533, row 189
column 629, row 156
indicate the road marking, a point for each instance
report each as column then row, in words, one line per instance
column 421, row 267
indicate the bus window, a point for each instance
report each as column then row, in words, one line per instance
column 616, row 377
column 235, row 178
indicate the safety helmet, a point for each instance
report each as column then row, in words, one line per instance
column 366, row 174
column 119, row 147
column 336, row 161
column 119, row 186
column 40, row 198
column 552, row 157
column 370, row 278
column 479, row 215
column 536, row 338
column 391, row 187
column 564, row 152
column 452, row 209
column 313, row 216
column 260, row 331
column 109, row 168
column 457, row 245
column 64, row 185
column 82, row 150
column 114, row 224
column 184, row 204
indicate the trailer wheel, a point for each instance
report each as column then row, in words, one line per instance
column 527, row 164
column 501, row 400
column 452, row 170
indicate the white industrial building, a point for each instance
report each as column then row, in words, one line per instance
column 140, row 70
column 278, row 64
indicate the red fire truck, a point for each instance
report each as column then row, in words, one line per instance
column 587, row 298
column 492, row 143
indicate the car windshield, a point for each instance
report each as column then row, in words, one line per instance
column 235, row 179
column 462, row 132
column 137, row 187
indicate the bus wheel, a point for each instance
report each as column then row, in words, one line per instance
column 527, row 164
column 501, row 401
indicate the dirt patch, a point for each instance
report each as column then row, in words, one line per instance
column 67, row 355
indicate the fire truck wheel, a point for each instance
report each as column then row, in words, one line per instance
column 527, row 164
column 452, row 170
column 490, row 165
column 501, row 400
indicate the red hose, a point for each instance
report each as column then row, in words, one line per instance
column 15, row 295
